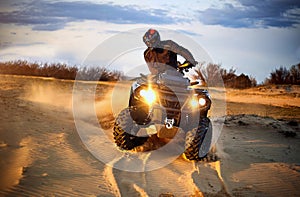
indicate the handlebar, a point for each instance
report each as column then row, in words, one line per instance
column 185, row 66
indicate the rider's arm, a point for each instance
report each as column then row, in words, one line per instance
column 150, row 62
column 181, row 51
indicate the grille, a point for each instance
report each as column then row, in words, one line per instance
column 172, row 102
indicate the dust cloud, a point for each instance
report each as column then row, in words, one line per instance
column 50, row 92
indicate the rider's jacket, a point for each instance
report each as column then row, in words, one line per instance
column 158, row 59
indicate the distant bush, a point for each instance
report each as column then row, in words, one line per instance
column 282, row 75
column 214, row 75
column 59, row 71
column 98, row 73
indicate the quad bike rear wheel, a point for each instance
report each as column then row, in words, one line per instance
column 125, row 130
column 198, row 141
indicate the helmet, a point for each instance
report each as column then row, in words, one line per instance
column 151, row 38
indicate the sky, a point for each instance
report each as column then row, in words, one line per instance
column 253, row 37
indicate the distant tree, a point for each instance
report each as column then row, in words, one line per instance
column 228, row 75
column 198, row 74
column 279, row 76
column 212, row 74
column 295, row 74
column 253, row 81
column 282, row 75
column 242, row 81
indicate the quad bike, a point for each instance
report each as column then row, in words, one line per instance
column 169, row 103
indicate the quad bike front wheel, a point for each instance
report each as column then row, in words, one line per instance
column 125, row 130
column 198, row 141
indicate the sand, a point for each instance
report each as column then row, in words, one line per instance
column 42, row 153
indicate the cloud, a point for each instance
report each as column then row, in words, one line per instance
column 5, row 44
column 52, row 16
column 191, row 33
column 249, row 13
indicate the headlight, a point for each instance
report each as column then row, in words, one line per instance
column 148, row 95
column 202, row 102
column 197, row 102
column 194, row 102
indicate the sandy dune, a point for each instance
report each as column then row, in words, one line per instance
column 42, row 153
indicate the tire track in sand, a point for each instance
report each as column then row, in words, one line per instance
column 275, row 179
column 179, row 178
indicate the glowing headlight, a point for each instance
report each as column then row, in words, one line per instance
column 148, row 95
column 202, row 101
column 194, row 102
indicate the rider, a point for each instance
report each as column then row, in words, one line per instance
column 163, row 53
